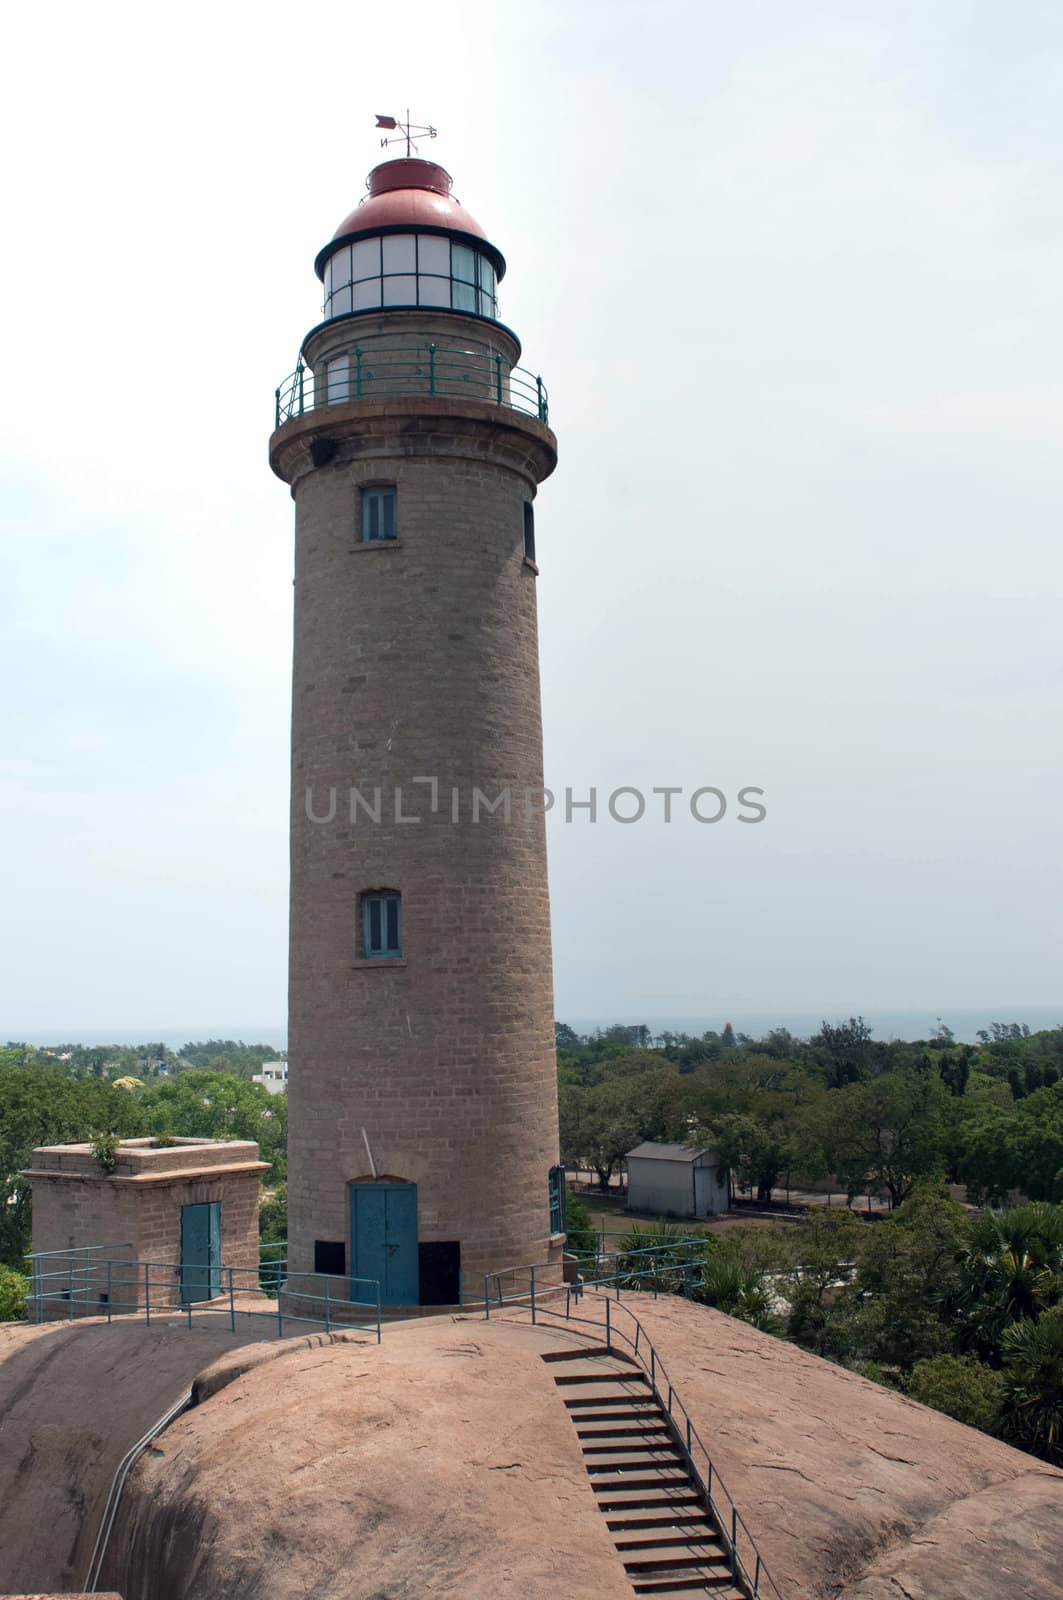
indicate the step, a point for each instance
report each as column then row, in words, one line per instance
column 668, row 1521
column 589, row 1352
column 620, row 1427
column 624, row 1440
column 610, row 1380
column 595, row 1408
column 672, row 1554
column 701, row 1535
column 715, row 1582
column 598, row 1457
column 658, row 1479
column 663, row 1559
column 614, row 1503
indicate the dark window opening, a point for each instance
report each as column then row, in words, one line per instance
column 330, row 1258
column 529, row 531
column 379, row 514
column 381, row 926
column 440, row 1266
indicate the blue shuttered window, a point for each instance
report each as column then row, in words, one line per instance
column 381, row 926
column 378, row 514
column 558, row 1196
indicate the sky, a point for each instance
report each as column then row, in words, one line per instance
column 792, row 274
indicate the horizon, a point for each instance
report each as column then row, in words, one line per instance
column 899, row 1023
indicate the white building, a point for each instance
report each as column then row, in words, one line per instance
column 676, row 1180
column 274, row 1076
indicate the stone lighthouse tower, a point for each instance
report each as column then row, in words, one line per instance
column 423, row 1113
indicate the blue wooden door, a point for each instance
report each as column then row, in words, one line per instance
column 384, row 1241
column 201, row 1251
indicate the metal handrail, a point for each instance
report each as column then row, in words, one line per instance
column 433, row 370
column 751, row 1571
column 88, row 1285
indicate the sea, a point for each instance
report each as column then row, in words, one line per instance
column 965, row 1023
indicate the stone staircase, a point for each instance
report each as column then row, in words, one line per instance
column 662, row 1530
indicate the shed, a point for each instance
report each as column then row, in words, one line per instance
column 165, row 1220
column 676, row 1180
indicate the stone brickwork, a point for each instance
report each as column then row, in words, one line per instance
column 418, row 659
column 135, row 1213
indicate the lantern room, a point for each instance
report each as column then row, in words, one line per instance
column 410, row 243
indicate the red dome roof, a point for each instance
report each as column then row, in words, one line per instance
column 408, row 193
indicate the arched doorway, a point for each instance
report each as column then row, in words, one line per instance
column 384, row 1240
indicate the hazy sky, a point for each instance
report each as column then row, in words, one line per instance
column 792, row 274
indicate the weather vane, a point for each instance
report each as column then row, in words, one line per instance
column 407, row 130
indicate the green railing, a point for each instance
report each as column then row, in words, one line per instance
column 430, row 369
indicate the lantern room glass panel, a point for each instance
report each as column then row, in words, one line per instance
column 400, row 253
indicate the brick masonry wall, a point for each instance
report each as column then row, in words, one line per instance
column 420, row 659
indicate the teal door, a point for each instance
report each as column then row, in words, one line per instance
column 384, row 1241
column 200, row 1251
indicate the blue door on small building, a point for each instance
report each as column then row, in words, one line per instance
column 384, row 1241
column 200, row 1251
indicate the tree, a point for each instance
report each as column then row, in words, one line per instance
column 847, row 1051
column 888, row 1132
column 824, row 1250
column 41, row 1104
column 217, row 1105
column 599, row 1126
column 960, row 1387
column 909, row 1266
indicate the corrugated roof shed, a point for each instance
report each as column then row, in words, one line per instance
column 667, row 1152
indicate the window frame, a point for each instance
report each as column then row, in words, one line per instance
column 383, row 899
column 384, row 496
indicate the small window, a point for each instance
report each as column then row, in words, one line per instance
column 378, row 514
column 558, row 1197
column 529, row 530
column 381, row 926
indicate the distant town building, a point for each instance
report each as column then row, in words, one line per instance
column 274, row 1076
column 676, row 1180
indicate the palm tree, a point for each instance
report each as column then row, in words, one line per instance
column 660, row 1258
column 736, row 1290
column 1011, row 1273
column 1032, row 1412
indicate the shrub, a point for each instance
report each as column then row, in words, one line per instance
column 582, row 1234
column 961, row 1387
column 13, row 1290
column 105, row 1149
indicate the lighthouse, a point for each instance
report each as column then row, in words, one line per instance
column 423, row 1137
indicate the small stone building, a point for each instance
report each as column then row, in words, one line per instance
column 169, row 1221
column 676, row 1180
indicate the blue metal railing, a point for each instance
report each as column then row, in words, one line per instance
column 541, row 1298
column 377, row 371
column 91, row 1282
